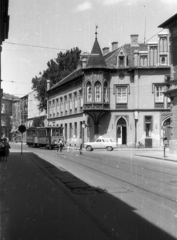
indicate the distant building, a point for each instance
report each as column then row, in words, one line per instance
column 117, row 94
column 6, row 114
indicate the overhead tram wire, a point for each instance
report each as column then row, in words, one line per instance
column 35, row 46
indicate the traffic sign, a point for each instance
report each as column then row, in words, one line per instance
column 22, row 128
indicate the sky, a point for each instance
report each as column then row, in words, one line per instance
column 40, row 29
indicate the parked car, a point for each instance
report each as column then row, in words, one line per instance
column 101, row 142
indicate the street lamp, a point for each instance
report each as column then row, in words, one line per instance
column 136, row 120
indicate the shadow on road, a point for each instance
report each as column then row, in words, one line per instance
column 27, row 180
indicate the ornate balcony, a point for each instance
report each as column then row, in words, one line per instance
column 96, row 106
column 173, row 85
column 171, row 88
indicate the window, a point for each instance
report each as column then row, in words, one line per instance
column 75, row 129
column 105, row 97
column 61, row 105
column 97, row 92
column 121, row 94
column 75, row 101
column 50, row 109
column 66, row 130
column 66, row 105
column 121, row 61
column 153, row 56
column 70, row 130
column 159, row 94
column 70, row 103
column 57, row 103
column 81, row 129
column 163, row 59
column 81, row 99
column 163, row 44
column 54, row 108
column 89, row 92
column 148, row 125
column 143, row 60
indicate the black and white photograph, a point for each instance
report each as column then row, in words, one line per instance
column 88, row 120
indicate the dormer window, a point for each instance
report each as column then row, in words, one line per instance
column 143, row 61
column 153, row 56
column 163, row 44
column 121, row 61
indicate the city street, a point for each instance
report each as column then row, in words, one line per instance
column 115, row 195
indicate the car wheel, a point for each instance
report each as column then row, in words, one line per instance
column 109, row 148
column 89, row 148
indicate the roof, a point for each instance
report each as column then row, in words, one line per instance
column 169, row 21
column 110, row 58
column 75, row 74
column 96, row 59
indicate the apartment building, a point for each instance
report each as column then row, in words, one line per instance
column 116, row 93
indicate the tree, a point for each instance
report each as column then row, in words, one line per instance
column 58, row 68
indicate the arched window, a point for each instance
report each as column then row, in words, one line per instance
column 105, row 96
column 163, row 60
column 97, row 92
column 89, row 92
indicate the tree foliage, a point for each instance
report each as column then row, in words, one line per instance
column 57, row 69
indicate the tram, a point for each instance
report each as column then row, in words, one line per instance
column 47, row 137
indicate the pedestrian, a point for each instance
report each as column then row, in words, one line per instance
column 6, row 148
column 2, row 150
column 61, row 146
column 58, row 145
column 80, row 149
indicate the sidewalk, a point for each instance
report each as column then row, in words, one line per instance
column 33, row 206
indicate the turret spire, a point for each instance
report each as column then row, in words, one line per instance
column 96, row 31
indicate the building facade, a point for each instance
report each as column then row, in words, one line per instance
column 117, row 94
column 6, row 113
column 171, row 89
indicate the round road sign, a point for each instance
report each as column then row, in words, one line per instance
column 22, row 128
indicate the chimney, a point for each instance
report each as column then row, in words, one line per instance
column 105, row 50
column 134, row 40
column 48, row 84
column 114, row 45
column 84, row 62
column 84, row 58
column 79, row 65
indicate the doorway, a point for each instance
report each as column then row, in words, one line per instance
column 167, row 129
column 121, row 131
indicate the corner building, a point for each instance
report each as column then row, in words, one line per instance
column 117, row 94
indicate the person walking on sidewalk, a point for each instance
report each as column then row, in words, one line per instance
column 61, row 146
column 2, row 150
column 6, row 148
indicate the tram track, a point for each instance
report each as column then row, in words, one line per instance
column 118, row 174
